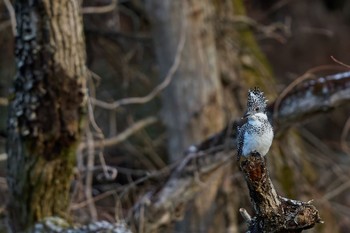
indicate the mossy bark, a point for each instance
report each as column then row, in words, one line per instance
column 46, row 113
column 254, row 62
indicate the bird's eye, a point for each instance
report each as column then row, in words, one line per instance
column 257, row 109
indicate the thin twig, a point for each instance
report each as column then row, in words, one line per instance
column 12, row 16
column 339, row 62
column 125, row 189
column 99, row 9
column 245, row 215
column 125, row 134
column 97, row 129
column 156, row 90
column 89, row 174
column 97, row 198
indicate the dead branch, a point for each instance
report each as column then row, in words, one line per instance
column 274, row 213
column 99, row 9
column 306, row 99
column 3, row 101
column 113, row 141
column 166, row 205
column 340, row 63
column 312, row 97
column 11, row 11
column 156, row 90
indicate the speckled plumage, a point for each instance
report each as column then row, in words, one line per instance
column 256, row 134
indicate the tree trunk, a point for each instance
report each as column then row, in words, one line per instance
column 192, row 106
column 192, row 103
column 46, row 113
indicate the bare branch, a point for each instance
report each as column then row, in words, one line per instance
column 123, row 135
column 89, row 174
column 310, row 74
column 3, row 101
column 129, row 131
column 304, row 100
column 11, row 11
column 165, row 206
column 245, row 215
column 310, row 98
column 156, row 90
column 340, row 63
column 99, row 9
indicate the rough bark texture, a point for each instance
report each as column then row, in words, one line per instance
column 47, row 108
column 315, row 95
column 273, row 214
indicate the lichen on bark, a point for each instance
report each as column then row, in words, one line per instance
column 47, row 111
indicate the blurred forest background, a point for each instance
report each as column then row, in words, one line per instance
column 133, row 49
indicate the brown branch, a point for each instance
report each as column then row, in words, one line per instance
column 99, row 9
column 156, row 90
column 129, row 131
column 312, row 97
column 166, row 205
column 3, row 101
column 123, row 135
column 11, row 11
column 340, row 63
column 274, row 213
column 306, row 99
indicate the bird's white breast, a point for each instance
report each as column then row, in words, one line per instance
column 258, row 138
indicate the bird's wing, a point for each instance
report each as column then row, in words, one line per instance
column 240, row 141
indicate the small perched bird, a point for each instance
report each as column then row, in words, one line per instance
column 256, row 134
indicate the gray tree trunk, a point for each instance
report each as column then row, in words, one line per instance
column 192, row 103
column 46, row 113
column 192, row 106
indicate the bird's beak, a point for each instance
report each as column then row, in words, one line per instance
column 246, row 114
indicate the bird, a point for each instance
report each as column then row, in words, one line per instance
column 256, row 134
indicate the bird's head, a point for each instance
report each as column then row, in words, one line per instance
column 256, row 102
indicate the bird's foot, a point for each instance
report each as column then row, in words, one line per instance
column 255, row 153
